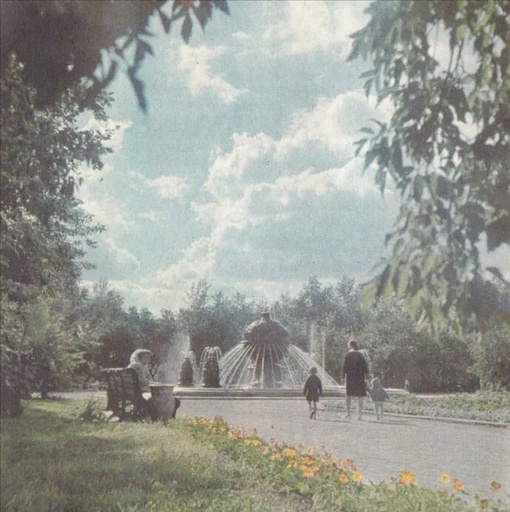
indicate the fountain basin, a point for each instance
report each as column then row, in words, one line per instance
column 274, row 394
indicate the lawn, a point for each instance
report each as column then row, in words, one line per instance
column 53, row 461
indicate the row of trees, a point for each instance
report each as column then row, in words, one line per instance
column 320, row 319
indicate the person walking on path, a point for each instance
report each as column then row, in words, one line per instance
column 379, row 396
column 354, row 374
column 312, row 390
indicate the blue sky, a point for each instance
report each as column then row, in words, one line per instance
column 243, row 171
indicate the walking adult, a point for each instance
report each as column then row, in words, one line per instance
column 354, row 375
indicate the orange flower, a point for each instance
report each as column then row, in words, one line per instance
column 444, row 478
column 496, row 485
column 357, row 476
column 343, row 478
column 406, row 478
column 346, row 462
column 458, row 485
column 307, row 472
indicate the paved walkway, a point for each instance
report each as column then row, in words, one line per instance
column 474, row 454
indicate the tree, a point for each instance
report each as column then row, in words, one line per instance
column 64, row 43
column 446, row 150
column 215, row 321
column 491, row 354
column 43, row 227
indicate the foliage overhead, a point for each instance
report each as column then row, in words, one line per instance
column 43, row 226
column 444, row 67
column 63, row 43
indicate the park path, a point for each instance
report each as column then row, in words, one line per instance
column 475, row 454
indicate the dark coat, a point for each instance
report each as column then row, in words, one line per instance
column 378, row 393
column 313, row 388
column 354, row 370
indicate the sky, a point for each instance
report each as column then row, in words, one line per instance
column 243, row 172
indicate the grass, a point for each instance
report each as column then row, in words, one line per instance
column 493, row 406
column 51, row 462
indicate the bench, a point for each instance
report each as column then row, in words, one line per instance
column 125, row 398
column 123, row 393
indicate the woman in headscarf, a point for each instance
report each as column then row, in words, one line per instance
column 139, row 361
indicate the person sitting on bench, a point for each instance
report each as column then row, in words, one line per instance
column 139, row 361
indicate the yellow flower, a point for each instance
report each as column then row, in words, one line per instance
column 484, row 503
column 247, row 442
column 444, row 478
column 265, row 450
column 343, row 478
column 276, row 456
column 406, row 478
column 289, row 452
column 458, row 485
column 357, row 476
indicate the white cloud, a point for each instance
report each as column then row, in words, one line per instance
column 311, row 25
column 241, row 36
column 329, row 128
column 151, row 216
column 117, row 130
column 169, row 187
column 334, row 123
column 121, row 254
column 196, row 264
column 277, row 212
column 195, row 63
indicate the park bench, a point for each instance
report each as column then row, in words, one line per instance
column 123, row 393
column 125, row 398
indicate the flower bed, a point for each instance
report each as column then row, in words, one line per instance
column 331, row 484
column 483, row 406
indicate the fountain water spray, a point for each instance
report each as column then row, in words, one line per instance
column 266, row 359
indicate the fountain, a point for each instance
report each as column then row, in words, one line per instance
column 210, row 368
column 266, row 360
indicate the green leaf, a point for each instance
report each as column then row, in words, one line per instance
column 419, row 183
column 165, row 21
column 186, row 28
column 222, row 5
column 139, row 88
column 498, row 232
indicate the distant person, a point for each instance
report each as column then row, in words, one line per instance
column 379, row 396
column 139, row 361
column 312, row 390
column 354, row 375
